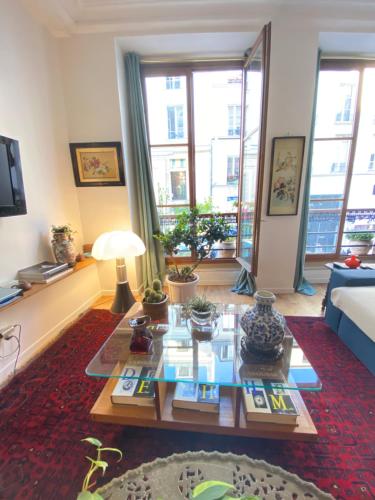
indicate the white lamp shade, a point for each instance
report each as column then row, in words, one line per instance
column 117, row 244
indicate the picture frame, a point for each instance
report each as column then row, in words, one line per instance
column 285, row 175
column 97, row 164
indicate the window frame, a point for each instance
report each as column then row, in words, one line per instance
column 344, row 65
column 187, row 69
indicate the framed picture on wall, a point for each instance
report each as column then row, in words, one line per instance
column 286, row 170
column 97, row 164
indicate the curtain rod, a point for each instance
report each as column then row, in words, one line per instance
column 349, row 56
column 187, row 60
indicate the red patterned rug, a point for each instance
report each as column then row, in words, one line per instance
column 44, row 415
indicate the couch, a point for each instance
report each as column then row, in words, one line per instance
column 350, row 311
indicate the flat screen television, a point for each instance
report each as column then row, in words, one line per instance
column 12, row 194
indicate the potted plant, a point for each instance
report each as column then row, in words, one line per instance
column 62, row 244
column 225, row 249
column 155, row 301
column 198, row 234
column 201, row 309
column 361, row 240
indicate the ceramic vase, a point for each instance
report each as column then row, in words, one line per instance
column 264, row 328
column 63, row 248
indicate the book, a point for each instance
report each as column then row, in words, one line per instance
column 200, row 397
column 7, row 294
column 135, row 391
column 51, row 279
column 43, row 270
column 272, row 403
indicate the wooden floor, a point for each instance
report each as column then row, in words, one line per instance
column 290, row 304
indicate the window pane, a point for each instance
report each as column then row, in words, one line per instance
column 359, row 232
column 170, row 175
column 337, row 93
column 167, row 109
column 323, row 225
column 362, row 188
column 217, row 123
column 330, row 161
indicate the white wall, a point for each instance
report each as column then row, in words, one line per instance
column 93, row 112
column 32, row 111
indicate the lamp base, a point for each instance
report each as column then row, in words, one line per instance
column 123, row 299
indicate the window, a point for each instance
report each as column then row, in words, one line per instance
column 342, row 201
column 233, row 169
column 234, row 120
column 345, row 114
column 175, row 122
column 338, row 168
column 194, row 162
column 178, row 186
column 172, row 82
column 371, row 163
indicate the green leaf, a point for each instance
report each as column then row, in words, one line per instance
column 211, row 490
column 87, row 495
column 100, row 464
column 115, row 450
column 93, row 441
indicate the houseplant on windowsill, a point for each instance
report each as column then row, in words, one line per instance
column 155, row 301
column 362, row 241
column 198, row 234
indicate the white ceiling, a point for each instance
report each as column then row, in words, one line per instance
column 69, row 17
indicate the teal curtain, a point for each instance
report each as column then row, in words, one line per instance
column 142, row 191
column 245, row 284
column 301, row 285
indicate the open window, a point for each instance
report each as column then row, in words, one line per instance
column 253, row 138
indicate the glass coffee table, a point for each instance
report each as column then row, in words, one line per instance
column 181, row 353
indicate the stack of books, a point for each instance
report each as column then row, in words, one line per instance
column 44, row 272
column 272, row 403
column 135, row 391
column 200, row 397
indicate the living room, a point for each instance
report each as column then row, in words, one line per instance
column 64, row 82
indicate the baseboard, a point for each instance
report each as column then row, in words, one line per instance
column 43, row 342
column 209, row 277
column 317, row 275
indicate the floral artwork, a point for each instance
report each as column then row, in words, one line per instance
column 287, row 157
column 97, row 164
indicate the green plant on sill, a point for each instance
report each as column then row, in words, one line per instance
column 196, row 233
column 200, row 304
column 363, row 236
column 217, row 490
column 155, row 294
column 95, row 465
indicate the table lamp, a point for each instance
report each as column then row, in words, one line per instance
column 118, row 245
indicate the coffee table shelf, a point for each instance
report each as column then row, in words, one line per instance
column 231, row 419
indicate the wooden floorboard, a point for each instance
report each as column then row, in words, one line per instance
column 289, row 304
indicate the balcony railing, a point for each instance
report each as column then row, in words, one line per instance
column 323, row 232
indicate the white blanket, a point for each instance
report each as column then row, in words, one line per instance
column 358, row 303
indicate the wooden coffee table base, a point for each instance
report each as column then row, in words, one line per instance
column 230, row 421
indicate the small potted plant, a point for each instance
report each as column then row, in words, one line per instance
column 155, row 301
column 62, row 244
column 361, row 241
column 201, row 309
column 198, row 234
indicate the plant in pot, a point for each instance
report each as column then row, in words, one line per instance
column 361, row 241
column 155, row 301
column 201, row 309
column 62, row 244
column 198, row 234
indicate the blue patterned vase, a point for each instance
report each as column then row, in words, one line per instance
column 264, row 328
